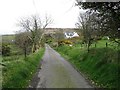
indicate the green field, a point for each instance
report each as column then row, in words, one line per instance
column 100, row 65
column 8, row 38
column 17, row 71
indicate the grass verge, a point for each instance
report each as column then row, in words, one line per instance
column 17, row 74
column 100, row 65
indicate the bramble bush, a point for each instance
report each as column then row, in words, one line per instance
column 5, row 49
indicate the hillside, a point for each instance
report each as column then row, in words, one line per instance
column 54, row 30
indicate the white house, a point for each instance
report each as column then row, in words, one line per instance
column 70, row 34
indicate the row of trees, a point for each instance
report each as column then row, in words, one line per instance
column 87, row 22
column 100, row 19
column 31, row 34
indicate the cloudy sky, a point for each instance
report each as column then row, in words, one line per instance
column 63, row 12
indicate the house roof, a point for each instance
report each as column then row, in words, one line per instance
column 70, row 34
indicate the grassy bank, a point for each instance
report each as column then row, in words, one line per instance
column 18, row 72
column 100, row 65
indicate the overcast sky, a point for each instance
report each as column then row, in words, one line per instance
column 63, row 12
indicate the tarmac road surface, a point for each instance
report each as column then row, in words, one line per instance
column 56, row 72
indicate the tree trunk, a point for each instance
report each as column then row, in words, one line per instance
column 25, row 49
column 88, row 48
column 33, row 47
column 106, row 44
column 25, row 52
column 95, row 45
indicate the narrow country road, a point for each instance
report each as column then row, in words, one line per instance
column 58, row 73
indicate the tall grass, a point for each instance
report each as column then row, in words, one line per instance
column 18, row 74
column 100, row 64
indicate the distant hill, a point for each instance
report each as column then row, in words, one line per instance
column 54, row 30
column 8, row 38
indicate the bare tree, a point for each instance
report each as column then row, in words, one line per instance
column 109, row 14
column 22, row 41
column 87, row 22
column 47, row 21
column 35, row 26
